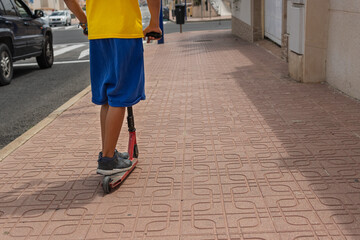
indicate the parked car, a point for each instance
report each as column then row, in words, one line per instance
column 60, row 18
column 45, row 16
column 22, row 35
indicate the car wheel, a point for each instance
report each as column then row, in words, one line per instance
column 70, row 23
column 6, row 65
column 46, row 59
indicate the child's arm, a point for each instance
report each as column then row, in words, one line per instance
column 154, row 8
column 74, row 7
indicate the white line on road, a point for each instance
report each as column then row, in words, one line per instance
column 67, row 49
column 61, row 45
column 147, row 23
column 63, row 28
column 69, row 62
column 70, row 27
column 56, row 63
column 84, row 53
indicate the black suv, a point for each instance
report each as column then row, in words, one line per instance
column 22, row 35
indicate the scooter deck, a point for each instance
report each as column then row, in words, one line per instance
column 119, row 177
column 112, row 181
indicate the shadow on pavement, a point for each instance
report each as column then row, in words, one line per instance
column 299, row 142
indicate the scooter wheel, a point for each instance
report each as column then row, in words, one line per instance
column 136, row 151
column 106, row 184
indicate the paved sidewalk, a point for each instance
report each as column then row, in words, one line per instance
column 230, row 148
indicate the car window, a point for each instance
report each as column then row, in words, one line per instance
column 9, row 8
column 21, row 9
column 57, row 14
column 2, row 10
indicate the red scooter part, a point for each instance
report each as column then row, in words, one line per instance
column 112, row 181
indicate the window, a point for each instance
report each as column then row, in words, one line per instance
column 58, row 14
column 2, row 10
column 21, row 9
column 9, row 8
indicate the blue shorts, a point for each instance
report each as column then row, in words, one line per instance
column 117, row 71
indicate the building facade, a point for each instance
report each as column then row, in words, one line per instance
column 50, row 5
column 319, row 38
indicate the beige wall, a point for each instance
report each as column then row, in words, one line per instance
column 45, row 4
column 247, row 21
column 332, row 41
column 343, row 54
column 241, row 23
column 242, row 29
column 35, row 5
column 316, row 35
column 242, row 10
column 50, row 4
column 196, row 12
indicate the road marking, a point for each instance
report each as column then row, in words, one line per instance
column 60, row 45
column 55, row 63
column 67, row 49
column 64, row 48
column 70, row 27
column 69, row 62
column 84, row 53
column 147, row 23
column 63, row 28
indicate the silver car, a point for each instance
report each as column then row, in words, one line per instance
column 60, row 18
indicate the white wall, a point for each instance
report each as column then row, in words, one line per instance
column 343, row 54
column 242, row 10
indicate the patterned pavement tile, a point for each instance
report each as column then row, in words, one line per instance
column 230, row 149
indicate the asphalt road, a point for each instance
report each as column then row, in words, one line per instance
column 34, row 93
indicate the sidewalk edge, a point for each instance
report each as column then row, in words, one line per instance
column 202, row 20
column 19, row 141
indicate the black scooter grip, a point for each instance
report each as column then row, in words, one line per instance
column 154, row 35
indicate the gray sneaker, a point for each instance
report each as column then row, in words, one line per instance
column 123, row 155
column 110, row 166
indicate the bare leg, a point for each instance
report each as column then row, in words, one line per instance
column 113, row 123
column 103, row 113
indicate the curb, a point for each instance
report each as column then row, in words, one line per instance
column 19, row 141
column 202, row 20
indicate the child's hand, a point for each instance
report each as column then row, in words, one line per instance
column 85, row 31
column 149, row 29
column 84, row 27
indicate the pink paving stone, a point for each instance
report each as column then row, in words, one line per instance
column 230, row 148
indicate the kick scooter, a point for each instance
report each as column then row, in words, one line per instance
column 112, row 181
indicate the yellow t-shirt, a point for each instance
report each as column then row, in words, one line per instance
column 114, row 19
